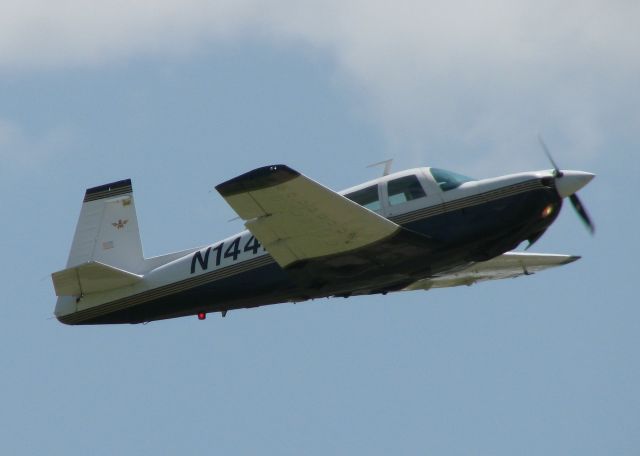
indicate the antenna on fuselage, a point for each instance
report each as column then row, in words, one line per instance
column 387, row 166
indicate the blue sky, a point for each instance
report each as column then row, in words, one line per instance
column 181, row 96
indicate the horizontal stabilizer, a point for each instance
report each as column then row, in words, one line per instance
column 91, row 277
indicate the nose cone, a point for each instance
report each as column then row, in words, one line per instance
column 572, row 181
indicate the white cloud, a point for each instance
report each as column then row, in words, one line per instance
column 455, row 75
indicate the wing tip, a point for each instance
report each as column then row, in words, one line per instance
column 259, row 178
column 572, row 258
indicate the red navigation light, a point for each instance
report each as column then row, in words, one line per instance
column 202, row 315
column 547, row 211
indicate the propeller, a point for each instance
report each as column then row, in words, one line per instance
column 556, row 169
column 567, row 183
column 582, row 212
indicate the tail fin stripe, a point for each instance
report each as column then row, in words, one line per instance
column 108, row 190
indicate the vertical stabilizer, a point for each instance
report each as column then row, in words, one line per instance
column 107, row 230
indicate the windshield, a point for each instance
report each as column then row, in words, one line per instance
column 448, row 180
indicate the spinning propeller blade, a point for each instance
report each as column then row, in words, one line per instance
column 582, row 212
column 558, row 173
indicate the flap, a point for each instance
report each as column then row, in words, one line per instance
column 296, row 218
column 507, row 265
column 91, row 277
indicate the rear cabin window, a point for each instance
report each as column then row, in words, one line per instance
column 367, row 197
column 404, row 189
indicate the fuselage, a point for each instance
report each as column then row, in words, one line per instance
column 469, row 221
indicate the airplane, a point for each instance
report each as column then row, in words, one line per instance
column 416, row 229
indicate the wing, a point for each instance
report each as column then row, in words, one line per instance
column 295, row 218
column 505, row 266
column 306, row 226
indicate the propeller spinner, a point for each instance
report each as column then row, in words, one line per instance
column 568, row 183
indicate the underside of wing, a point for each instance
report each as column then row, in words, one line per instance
column 296, row 218
column 324, row 240
column 505, row 266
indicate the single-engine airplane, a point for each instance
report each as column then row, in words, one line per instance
column 411, row 230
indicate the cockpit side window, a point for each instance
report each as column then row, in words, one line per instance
column 448, row 180
column 404, row 189
column 367, row 197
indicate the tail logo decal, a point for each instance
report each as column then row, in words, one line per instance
column 120, row 224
